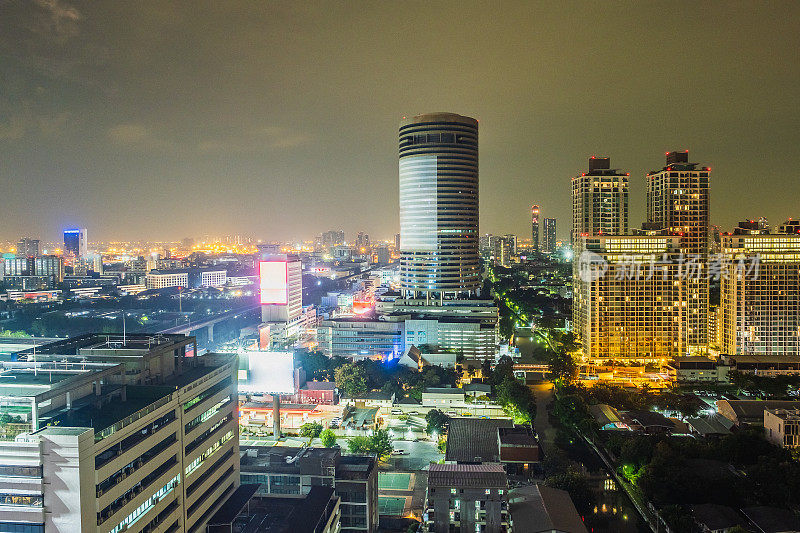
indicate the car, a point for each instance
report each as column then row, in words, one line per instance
column 413, row 412
column 399, row 452
column 452, row 413
column 397, row 412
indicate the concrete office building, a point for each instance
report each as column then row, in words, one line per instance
column 678, row 202
column 289, row 471
column 104, row 442
column 285, row 303
column 75, row 243
column 359, row 338
column 535, row 237
column 548, row 241
column 782, row 427
column 760, row 294
column 438, row 171
column 599, row 200
column 464, row 497
column 27, row 247
column 629, row 302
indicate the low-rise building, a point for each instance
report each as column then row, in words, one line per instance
column 316, row 512
column 694, row 369
column 466, row 497
column 542, row 509
column 751, row 411
column 289, row 471
column 783, row 427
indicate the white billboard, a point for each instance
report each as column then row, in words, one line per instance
column 274, row 277
column 266, row 373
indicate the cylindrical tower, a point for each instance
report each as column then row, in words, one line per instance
column 439, row 206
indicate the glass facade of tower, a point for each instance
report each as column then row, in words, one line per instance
column 439, row 205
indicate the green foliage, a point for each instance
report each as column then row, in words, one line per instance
column 577, row 485
column 517, row 400
column 6, row 418
column 15, row 334
column 379, row 444
column 763, row 386
column 563, row 367
column 316, row 365
column 437, row 421
column 311, row 430
column 352, row 379
column 328, row 438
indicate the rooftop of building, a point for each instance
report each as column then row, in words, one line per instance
column 716, row 517
column 453, row 391
column 539, row 509
column 133, row 341
column 355, row 467
column 286, row 459
column 772, row 519
column 785, row 414
column 274, row 514
column 103, row 415
column 754, row 409
column 472, row 440
column 467, row 476
column 319, row 385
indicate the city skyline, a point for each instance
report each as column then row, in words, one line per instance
column 78, row 133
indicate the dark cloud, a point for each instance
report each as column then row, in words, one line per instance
column 164, row 119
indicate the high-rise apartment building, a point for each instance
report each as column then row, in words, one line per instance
column 503, row 249
column 599, row 200
column 760, row 293
column 125, row 434
column 628, row 298
column 548, row 241
column 678, row 202
column 281, row 279
column 438, row 171
column 535, row 228
column 27, row 247
column 75, row 243
column 332, row 238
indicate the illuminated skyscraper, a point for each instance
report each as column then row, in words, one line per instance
column 75, row 242
column 678, row 203
column 760, row 293
column 626, row 299
column 599, row 200
column 439, row 206
column 535, row 227
column 548, row 245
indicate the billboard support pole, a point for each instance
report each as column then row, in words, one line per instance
column 276, row 415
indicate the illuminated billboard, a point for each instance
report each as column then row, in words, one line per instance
column 273, row 276
column 266, row 373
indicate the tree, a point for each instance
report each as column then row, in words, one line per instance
column 517, row 400
column 563, row 367
column 311, row 430
column 352, row 379
column 379, row 444
column 328, row 438
column 437, row 421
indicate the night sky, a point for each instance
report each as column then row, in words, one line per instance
column 278, row 120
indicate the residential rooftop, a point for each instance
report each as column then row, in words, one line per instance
column 447, row 475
